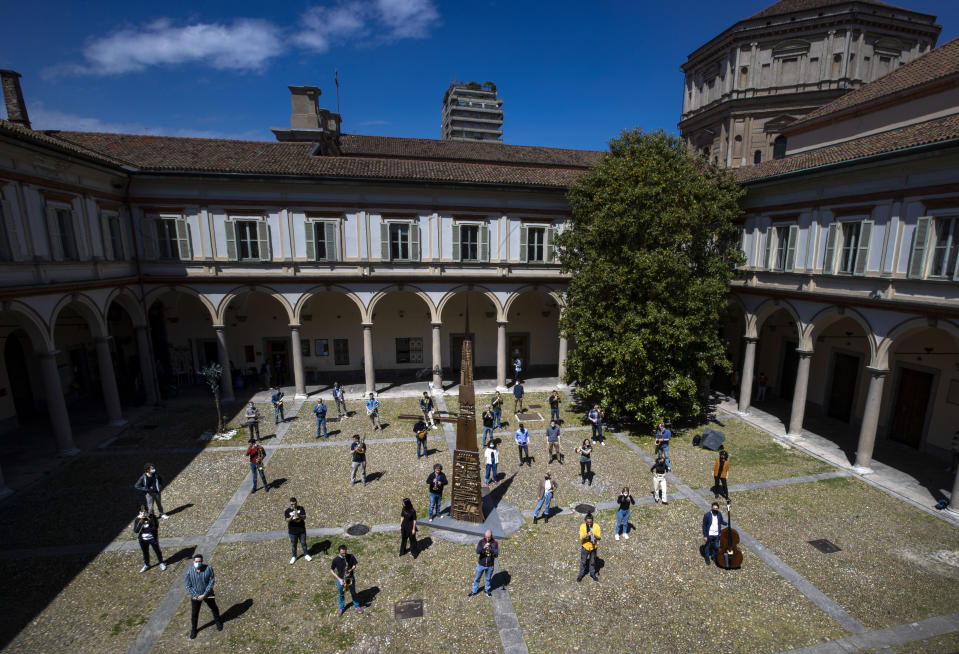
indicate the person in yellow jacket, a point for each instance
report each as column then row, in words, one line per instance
column 720, row 471
column 589, row 537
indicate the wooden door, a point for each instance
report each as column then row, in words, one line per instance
column 912, row 401
column 456, row 352
column 845, row 372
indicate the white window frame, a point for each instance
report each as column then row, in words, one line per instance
column 413, row 239
column 549, row 238
column 331, row 236
column 414, row 354
column 859, row 253
column 57, row 238
column 109, row 247
column 179, row 244
column 952, row 245
column 263, row 242
column 482, row 241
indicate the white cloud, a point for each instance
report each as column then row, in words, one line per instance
column 323, row 27
column 407, row 18
column 243, row 45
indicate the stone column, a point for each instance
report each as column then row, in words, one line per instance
column 746, row 378
column 56, row 404
column 298, row 380
column 501, row 355
column 870, row 420
column 437, row 359
column 226, row 381
column 953, row 499
column 108, row 382
column 799, row 394
column 147, row 369
column 368, row 370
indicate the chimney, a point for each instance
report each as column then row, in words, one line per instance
column 13, row 97
column 309, row 122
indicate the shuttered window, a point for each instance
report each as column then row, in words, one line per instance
column 112, row 237
column 828, row 263
column 172, row 239
column 470, row 242
column 321, row 240
column 248, row 240
column 399, row 241
column 61, row 229
column 920, row 242
column 945, row 248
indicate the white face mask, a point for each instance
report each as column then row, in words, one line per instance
column 152, row 470
column 196, row 564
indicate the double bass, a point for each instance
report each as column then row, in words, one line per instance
column 729, row 556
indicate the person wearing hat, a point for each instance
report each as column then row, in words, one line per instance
column 436, row 482
column 546, row 489
column 589, row 537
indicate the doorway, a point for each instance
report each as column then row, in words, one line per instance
column 845, row 373
column 912, row 403
column 517, row 347
column 278, row 354
column 18, row 375
column 456, row 352
column 788, row 369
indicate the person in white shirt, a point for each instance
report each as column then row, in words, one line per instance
column 713, row 522
column 546, row 490
column 492, row 458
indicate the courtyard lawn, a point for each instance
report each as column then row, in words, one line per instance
column 272, row 606
column 319, row 477
column 654, row 595
column 896, row 564
column 303, row 429
column 568, row 413
column 753, row 455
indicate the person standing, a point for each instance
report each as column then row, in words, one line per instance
column 518, row 392
column 340, row 399
column 517, row 369
column 522, row 444
column 426, row 406
column 295, row 517
column 659, row 471
column 554, row 407
column 277, row 399
column 319, row 410
column 487, row 424
column 626, row 502
column 763, row 383
column 421, row 429
column 199, row 585
column 436, row 482
column 492, row 458
column 664, row 434
column 589, row 537
column 150, row 483
column 595, row 417
column 253, row 421
column 408, row 527
column 585, row 452
column 358, row 453
column 373, row 412
column 553, row 446
column 257, row 455
column 720, row 472
column 343, row 570
column 147, row 529
column 713, row 522
column 487, row 549
column 496, row 404
column 546, row 489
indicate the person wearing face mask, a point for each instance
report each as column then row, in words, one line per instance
column 295, row 517
column 199, row 585
column 146, row 528
column 342, row 569
column 487, row 549
column 626, row 502
column 713, row 522
column 253, row 421
column 150, row 484
column 340, row 400
column 589, row 537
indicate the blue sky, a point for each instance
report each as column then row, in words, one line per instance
column 571, row 74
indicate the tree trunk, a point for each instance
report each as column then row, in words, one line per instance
column 219, row 414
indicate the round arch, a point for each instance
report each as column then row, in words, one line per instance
column 331, row 288
column 129, row 302
column 833, row 314
column 904, row 329
column 159, row 292
column 450, row 294
column 241, row 290
column 403, row 288
column 86, row 308
column 553, row 293
column 39, row 333
column 754, row 321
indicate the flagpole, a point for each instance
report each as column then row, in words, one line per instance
column 336, row 80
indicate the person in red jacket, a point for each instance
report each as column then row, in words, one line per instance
column 257, row 455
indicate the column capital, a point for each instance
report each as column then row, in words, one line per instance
column 751, row 339
column 219, row 328
column 295, row 326
column 436, row 325
column 141, row 327
column 878, row 372
column 502, row 323
column 366, row 325
column 50, row 354
column 102, row 339
column 805, row 354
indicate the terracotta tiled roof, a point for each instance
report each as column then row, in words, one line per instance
column 790, row 6
column 367, row 157
column 933, row 131
column 34, row 136
column 934, row 65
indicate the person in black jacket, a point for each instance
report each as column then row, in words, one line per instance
column 147, row 529
column 295, row 517
column 150, row 483
column 436, row 482
column 408, row 527
column 659, row 470
column 487, row 550
column 626, row 502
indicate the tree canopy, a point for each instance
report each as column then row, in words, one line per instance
column 651, row 252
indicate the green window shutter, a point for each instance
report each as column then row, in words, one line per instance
column 183, row 239
column 920, row 242
column 329, row 234
column 53, row 232
column 862, row 252
column 523, row 238
column 230, row 228
column 263, row 239
column 384, row 240
column 829, row 258
column 415, row 241
column 791, row 245
column 548, row 245
column 13, row 232
column 148, row 236
column 484, row 243
column 79, row 237
column 108, row 253
column 310, row 240
column 768, row 255
column 456, row 243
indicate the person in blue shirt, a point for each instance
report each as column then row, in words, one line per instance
column 518, row 392
column 373, row 412
column 522, row 445
column 496, row 404
column 595, row 417
column 319, row 410
column 663, row 435
column 339, row 398
column 199, row 585
column 277, row 399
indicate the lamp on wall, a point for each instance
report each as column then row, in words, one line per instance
column 402, row 314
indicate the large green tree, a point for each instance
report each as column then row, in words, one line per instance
column 651, row 252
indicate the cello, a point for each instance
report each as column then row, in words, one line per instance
column 729, row 556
